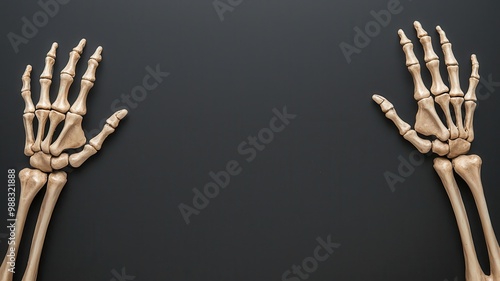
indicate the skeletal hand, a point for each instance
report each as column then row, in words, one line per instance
column 453, row 141
column 48, row 157
column 45, row 154
column 455, row 138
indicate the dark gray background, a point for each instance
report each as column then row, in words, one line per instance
column 323, row 175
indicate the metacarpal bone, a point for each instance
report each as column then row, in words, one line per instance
column 46, row 79
column 28, row 130
column 444, row 169
column 41, row 115
column 457, row 108
column 427, row 121
column 31, row 181
column 77, row 159
column 61, row 103
column 55, row 184
column 80, row 104
column 71, row 136
column 55, row 118
column 421, row 144
column 444, row 102
column 469, row 168
column 470, row 107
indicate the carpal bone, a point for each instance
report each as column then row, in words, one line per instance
column 59, row 162
column 440, row 148
column 41, row 161
column 458, row 147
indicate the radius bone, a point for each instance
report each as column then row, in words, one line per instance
column 31, row 181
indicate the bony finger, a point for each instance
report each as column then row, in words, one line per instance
column 391, row 114
column 404, row 128
column 95, row 144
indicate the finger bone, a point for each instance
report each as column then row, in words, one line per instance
column 46, row 79
column 79, row 106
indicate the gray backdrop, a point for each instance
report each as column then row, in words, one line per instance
column 233, row 65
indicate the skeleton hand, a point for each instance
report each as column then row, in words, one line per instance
column 453, row 140
column 48, row 156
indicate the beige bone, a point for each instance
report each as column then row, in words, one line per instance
column 31, row 181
